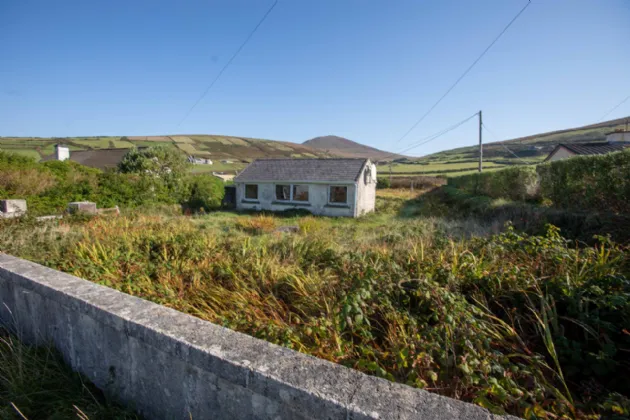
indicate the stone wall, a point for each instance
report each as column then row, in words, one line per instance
column 169, row 365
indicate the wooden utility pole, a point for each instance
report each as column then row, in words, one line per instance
column 480, row 144
column 390, row 174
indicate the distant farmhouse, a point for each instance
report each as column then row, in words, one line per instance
column 99, row 158
column 329, row 187
column 199, row 161
column 615, row 142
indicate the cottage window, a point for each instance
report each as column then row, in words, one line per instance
column 300, row 193
column 338, row 195
column 251, row 192
column 283, row 192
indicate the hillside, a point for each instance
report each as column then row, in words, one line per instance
column 533, row 148
column 497, row 155
column 210, row 146
column 347, row 148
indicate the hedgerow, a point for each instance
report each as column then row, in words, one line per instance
column 516, row 183
column 599, row 183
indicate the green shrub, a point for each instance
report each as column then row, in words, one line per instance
column 382, row 183
column 515, row 183
column 206, row 192
column 591, row 182
column 49, row 187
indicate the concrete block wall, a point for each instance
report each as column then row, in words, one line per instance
column 169, row 365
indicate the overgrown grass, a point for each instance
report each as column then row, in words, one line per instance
column 528, row 325
column 35, row 383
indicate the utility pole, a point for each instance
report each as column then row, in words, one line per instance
column 480, row 144
column 390, row 174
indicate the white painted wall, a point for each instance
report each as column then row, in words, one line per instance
column 317, row 195
column 618, row 137
column 561, row 153
column 366, row 190
column 62, row 152
column 361, row 196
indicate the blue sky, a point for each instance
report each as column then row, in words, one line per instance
column 361, row 69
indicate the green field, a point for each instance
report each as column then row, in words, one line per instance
column 207, row 146
column 436, row 169
column 218, row 167
column 530, row 148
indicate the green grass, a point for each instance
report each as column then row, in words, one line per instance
column 121, row 144
column 97, row 143
column 433, row 167
column 35, row 383
column 24, row 152
column 218, row 166
column 188, row 148
column 452, row 305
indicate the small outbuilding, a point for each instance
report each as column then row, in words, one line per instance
column 565, row 151
column 329, row 187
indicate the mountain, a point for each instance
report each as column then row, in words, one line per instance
column 340, row 146
column 534, row 147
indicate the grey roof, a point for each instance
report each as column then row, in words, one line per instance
column 96, row 158
column 309, row 170
column 600, row 148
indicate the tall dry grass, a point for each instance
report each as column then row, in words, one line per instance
column 515, row 323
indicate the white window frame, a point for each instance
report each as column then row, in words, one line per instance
column 337, row 203
column 291, row 198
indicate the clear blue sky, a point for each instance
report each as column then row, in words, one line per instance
column 361, row 69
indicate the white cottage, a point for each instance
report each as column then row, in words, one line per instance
column 329, row 187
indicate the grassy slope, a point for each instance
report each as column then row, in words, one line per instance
column 455, row 162
column 531, row 148
column 217, row 148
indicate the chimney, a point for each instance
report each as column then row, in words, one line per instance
column 62, row 152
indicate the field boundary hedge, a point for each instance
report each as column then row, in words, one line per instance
column 516, row 183
column 598, row 183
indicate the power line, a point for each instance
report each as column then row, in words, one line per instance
column 464, row 74
column 229, row 62
column 502, row 144
column 616, row 106
column 432, row 137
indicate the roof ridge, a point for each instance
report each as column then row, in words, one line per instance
column 318, row 158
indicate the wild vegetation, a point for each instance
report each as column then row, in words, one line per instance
column 35, row 383
column 597, row 183
column 516, row 183
column 152, row 176
column 533, row 325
